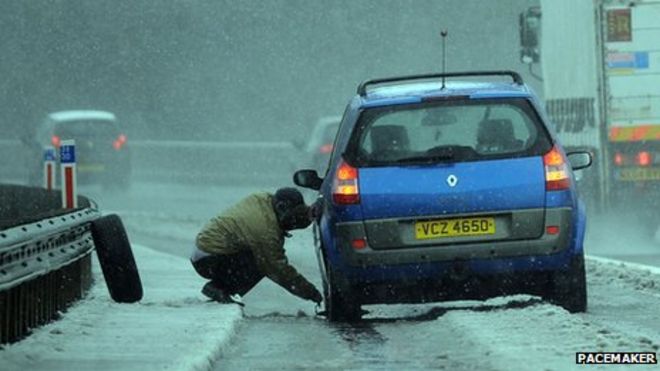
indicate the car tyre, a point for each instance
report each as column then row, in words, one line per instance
column 568, row 288
column 340, row 305
column 116, row 259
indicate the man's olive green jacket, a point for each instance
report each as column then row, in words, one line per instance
column 251, row 224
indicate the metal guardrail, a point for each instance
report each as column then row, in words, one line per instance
column 45, row 262
column 31, row 250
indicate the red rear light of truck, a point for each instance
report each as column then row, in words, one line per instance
column 618, row 159
column 644, row 158
column 345, row 190
column 556, row 171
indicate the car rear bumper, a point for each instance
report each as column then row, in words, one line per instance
column 458, row 280
column 544, row 244
column 451, row 286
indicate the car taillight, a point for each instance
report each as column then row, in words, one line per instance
column 644, row 158
column 55, row 140
column 618, row 159
column 556, row 171
column 119, row 142
column 359, row 243
column 326, row 148
column 345, row 189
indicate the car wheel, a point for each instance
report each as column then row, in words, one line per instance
column 116, row 259
column 340, row 305
column 568, row 288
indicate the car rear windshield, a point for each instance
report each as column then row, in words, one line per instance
column 87, row 129
column 448, row 131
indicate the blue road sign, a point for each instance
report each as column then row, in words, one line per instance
column 49, row 154
column 68, row 152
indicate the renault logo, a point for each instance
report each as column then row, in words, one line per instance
column 452, row 180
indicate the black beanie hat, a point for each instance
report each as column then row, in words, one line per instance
column 290, row 209
column 287, row 198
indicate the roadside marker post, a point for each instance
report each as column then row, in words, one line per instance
column 49, row 167
column 68, row 173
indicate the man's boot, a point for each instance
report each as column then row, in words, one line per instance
column 215, row 293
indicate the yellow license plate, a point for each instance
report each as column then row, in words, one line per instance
column 639, row 174
column 91, row 168
column 454, row 228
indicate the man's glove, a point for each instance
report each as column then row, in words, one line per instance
column 316, row 297
column 316, row 209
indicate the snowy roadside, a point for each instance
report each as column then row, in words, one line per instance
column 173, row 327
column 637, row 276
column 540, row 336
column 520, row 332
column 507, row 333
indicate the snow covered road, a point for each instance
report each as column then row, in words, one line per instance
column 512, row 333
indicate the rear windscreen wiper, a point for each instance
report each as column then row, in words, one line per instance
column 430, row 158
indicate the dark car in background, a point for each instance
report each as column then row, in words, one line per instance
column 320, row 143
column 102, row 154
column 449, row 191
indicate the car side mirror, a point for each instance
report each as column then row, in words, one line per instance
column 579, row 159
column 307, row 179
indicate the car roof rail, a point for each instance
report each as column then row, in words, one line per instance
column 362, row 88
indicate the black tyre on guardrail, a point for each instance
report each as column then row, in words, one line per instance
column 116, row 259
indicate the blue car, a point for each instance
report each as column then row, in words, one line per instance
column 445, row 187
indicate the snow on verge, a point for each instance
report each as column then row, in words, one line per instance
column 540, row 337
column 638, row 276
column 173, row 327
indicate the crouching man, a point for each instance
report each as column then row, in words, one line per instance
column 237, row 248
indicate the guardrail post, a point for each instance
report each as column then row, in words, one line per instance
column 3, row 320
column 68, row 166
column 49, row 168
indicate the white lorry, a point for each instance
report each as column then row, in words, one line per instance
column 600, row 63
